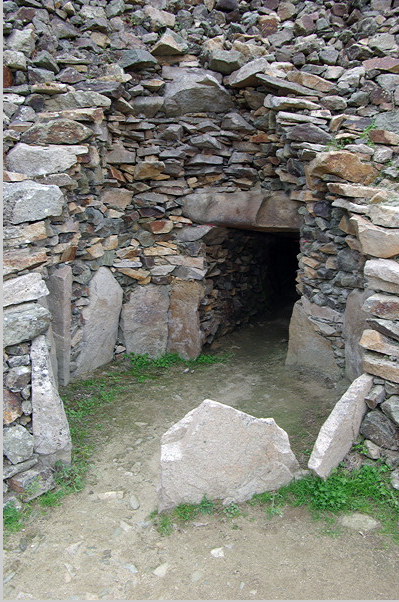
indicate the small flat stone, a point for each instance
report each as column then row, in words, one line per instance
column 359, row 522
column 217, row 553
column 134, row 502
column 110, row 495
column 161, row 570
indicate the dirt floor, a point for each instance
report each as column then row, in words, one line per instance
column 97, row 546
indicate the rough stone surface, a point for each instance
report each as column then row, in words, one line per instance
column 390, row 407
column 255, row 210
column 307, row 348
column 340, row 163
column 17, row 444
column 42, row 160
column 341, row 428
column 24, row 322
column 355, row 317
column 101, row 318
column 220, row 452
column 33, row 483
column 184, row 333
column 60, row 286
column 374, row 240
column 29, row 287
column 30, row 201
column 144, row 320
column 58, row 131
column 380, row 366
column 382, row 274
column 194, row 91
column 52, row 439
column 359, row 522
column 12, row 406
column 380, row 430
column 382, row 306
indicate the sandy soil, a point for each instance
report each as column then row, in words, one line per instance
column 91, row 548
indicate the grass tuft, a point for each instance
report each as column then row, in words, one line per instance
column 144, row 368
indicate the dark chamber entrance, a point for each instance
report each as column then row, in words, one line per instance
column 280, row 268
column 251, row 275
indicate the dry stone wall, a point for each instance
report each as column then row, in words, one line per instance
column 144, row 142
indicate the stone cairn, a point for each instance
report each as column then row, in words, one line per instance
column 147, row 144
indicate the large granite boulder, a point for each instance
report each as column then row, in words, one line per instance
column 220, row 452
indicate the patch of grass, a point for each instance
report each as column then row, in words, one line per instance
column 232, row 510
column 144, row 368
column 14, row 518
column 366, row 134
column 364, row 490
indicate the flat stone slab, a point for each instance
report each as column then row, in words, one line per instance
column 341, row 428
column 359, row 522
column 220, row 452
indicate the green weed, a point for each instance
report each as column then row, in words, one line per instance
column 366, row 134
column 144, row 368
column 14, row 518
column 364, row 490
column 232, row 510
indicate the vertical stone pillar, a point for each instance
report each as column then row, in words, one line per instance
column 144, row 320
column 184, row 325
column 100, row 322
column 59, row 302
column 50, row 427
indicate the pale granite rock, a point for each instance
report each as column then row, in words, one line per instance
column 220, row 452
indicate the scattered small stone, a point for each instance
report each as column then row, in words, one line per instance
column 110, row 495
column 73, row 548
column 131, row 568
column 161, row 570
column 134, row 502
column 217, row 553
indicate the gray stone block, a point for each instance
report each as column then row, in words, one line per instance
column 220, row 452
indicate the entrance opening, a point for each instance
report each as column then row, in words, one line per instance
column 251, row 275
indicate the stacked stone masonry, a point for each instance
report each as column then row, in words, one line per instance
column 148, row 148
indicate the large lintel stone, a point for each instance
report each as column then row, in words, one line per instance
column 220, row 452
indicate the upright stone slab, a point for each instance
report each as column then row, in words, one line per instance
column 354, row 323
column 52, row 439
column 144, row 320
column 307, row 348
column 220, row 452
column 100, row 322
column 341, row 428
column 59, row 301
column 184, row 324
